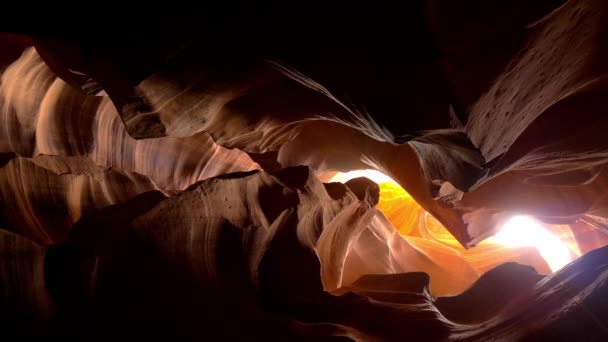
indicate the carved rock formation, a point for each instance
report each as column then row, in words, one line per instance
column 166, row 182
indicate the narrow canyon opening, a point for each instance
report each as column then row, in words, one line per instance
column 517, row 238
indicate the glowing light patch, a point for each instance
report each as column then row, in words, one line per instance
column 557, row 246
column 523, row 231
column 396, row 204
column 373, row 175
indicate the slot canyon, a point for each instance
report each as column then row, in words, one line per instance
column 431, row 170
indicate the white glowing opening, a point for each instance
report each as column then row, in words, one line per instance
column 523, row 231
column 519, row 231
column 373, row 175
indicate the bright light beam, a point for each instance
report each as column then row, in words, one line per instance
column 523, row 231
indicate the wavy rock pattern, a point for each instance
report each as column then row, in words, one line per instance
column 167, row 186
column 42, row 114
column 268, row 271
column 264, row 107
column 42, row 197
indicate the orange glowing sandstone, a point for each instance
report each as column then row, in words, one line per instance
column 429, row 236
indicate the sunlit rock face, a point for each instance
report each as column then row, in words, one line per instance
column 522, row 239
column 185, row 177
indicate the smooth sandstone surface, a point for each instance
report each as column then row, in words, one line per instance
column 167, row 183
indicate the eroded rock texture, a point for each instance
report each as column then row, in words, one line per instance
column 164, row 181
